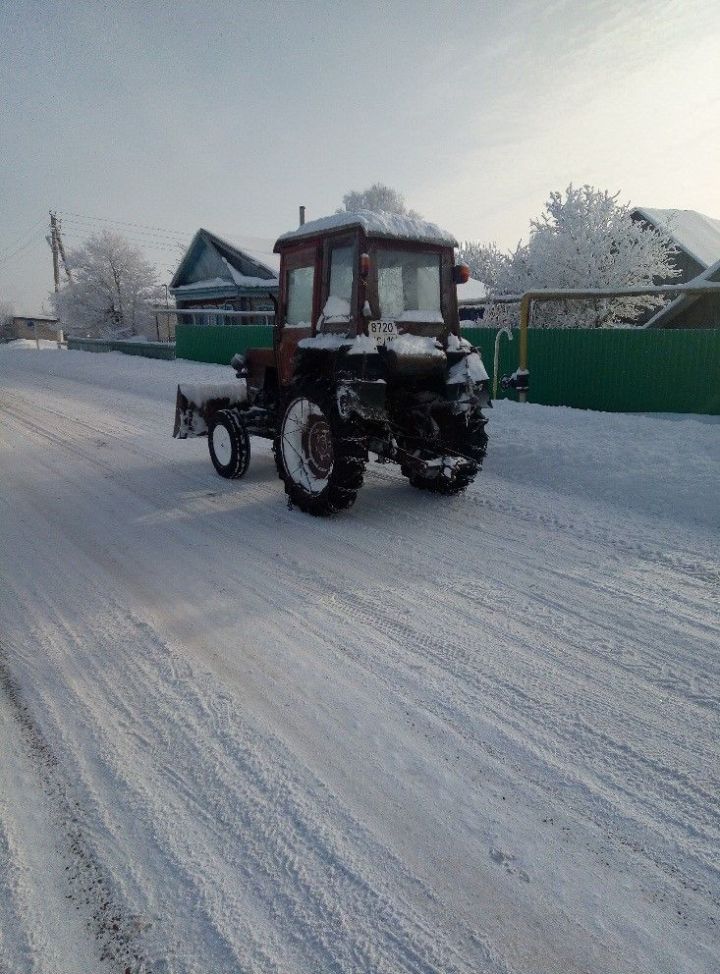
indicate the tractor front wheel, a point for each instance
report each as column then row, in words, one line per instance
column 320, row 456
column 229, row 444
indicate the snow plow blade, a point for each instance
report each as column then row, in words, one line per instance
column 195, row 404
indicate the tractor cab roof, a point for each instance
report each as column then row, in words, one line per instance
column 391, row 226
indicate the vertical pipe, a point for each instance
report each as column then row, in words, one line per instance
column 496, row 360
column 302, row 216
column 523, row 351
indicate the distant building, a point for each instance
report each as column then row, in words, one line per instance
column 216, row 274
column 35, row 326
column 697, row 239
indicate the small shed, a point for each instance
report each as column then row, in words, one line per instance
column 35, row 326
column 216, row 274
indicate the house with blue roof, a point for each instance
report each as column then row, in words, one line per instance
column 216, row 274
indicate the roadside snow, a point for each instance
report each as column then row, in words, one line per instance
column 18, row 344
column 460, row 735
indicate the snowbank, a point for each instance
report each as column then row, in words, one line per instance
column 659, row 465
column 23, row 343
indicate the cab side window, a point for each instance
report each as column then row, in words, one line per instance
column 300, row 281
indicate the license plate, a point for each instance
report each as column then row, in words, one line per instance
column 383, row 332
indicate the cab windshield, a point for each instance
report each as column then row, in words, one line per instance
column 408, row 284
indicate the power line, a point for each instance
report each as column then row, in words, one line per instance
column 159, row 252
column 258, row 244
column 22, row 236
column 125, row 223
column 134, row 234
column 19, row 250
column 76, row 235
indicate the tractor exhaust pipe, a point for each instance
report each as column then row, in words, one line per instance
column 302, row 216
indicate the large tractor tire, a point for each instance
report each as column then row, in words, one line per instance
column 465, row 437
column 229, row 444
column 469, row 437
column 320, row 456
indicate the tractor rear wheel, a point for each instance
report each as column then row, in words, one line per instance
column 320, row 456
column 229, row 444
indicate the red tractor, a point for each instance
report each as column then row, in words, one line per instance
column 367, row 357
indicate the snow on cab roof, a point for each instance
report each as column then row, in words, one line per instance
column 375, row 225
column 698, row 235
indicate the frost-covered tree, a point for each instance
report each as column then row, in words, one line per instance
column 380, row 199
column 112, row 289
column 7, row 313
column 583, row 239
column 487, row 262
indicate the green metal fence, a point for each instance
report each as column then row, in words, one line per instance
column 616, row 370
column 218, row 343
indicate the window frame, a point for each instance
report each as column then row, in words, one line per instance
column 332, row 243
column 446, row 256
column 305, row 257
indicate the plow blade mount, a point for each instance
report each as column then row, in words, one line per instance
column 195, row 404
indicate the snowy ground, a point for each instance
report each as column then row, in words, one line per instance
column 466, row 735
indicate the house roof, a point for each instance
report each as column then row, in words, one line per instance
column 471, row 292
column 711, row 275
column 235, row 268
column 698, row 235
column 375, row 225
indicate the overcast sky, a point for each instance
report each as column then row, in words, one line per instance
column 227, row 115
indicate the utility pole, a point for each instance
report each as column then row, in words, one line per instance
column 55, row 250
column 61, row 248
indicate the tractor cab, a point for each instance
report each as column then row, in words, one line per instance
column 364, row 274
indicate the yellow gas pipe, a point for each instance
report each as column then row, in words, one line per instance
column 574, row 294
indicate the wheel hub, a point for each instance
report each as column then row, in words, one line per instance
column 222, row 444
column 307, row 445
column 317, row 446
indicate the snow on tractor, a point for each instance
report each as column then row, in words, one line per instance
column 367, row 357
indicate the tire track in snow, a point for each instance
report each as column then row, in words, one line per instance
column 116, row 932
column 671, row 798
column 575, row 729
column 400, row 664
column 688, row 564
column 15, row 945
column 230, row 799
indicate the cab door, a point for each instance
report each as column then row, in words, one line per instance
column 298, row 305
column 339, row 296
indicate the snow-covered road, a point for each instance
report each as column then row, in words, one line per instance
column 428, row 735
